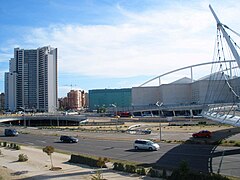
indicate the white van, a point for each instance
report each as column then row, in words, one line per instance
column 145, row 144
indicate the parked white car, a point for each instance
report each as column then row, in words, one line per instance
column 145, row 144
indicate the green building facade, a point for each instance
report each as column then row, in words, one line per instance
column 104, row 98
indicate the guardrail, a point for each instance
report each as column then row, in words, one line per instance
column 77, row 118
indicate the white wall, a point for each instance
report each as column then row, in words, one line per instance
column 145, row 95
column 172, row 94
column 11, row 91
column 52, row 83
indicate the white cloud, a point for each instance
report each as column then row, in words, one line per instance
column 149, row 43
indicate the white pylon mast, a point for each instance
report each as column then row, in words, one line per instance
column 226, row 36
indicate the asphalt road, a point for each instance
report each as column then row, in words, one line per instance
column 204, row 158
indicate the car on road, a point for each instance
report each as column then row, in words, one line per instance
column 203, row 134
column 10, row 132
column 147, row 131
column 68, row 139
column 145, row 144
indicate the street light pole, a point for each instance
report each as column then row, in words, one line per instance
column 55, row 108
column 24, row 118
column 115, row 106
column 160, row 124
column 160, row 131
column 57, row 114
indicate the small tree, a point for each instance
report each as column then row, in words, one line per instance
column 101, row 163
column 49, row 150
column 97, row 176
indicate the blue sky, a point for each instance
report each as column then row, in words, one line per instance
column 114, row 43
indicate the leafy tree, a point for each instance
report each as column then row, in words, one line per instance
column 49, row 150
column 101, row 163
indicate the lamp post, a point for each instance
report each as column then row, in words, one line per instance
column 56, row 114
column 160, row 131
column 115, row 106
column 159, row 105
column 160, row 124
column 24, row 118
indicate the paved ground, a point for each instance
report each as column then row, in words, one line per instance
column 182, row 133
column 38, row 165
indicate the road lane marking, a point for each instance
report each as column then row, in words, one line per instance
column 42, row 141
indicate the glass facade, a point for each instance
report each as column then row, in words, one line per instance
column 107, row 97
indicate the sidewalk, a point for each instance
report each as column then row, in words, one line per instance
column 38, row 165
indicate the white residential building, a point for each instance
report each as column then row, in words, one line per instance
column 31, row 82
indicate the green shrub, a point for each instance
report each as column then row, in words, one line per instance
column 118, row 166
column 177, row 175
column 4, row 144
column 12, row 145
column 22, row 157
column 153, row 173
column 202, row 123
column 130, row 168
column 218, row 177
column 219, row 142
column 115, row 166
column 121, row 166
column 164, row 173
column 237, row 144
column 17, row 147
column 141, row 171
column 90, row 161
column 183, row 173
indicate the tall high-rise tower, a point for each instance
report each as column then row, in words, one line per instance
column 31, row 83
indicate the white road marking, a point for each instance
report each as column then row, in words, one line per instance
column 41, row 141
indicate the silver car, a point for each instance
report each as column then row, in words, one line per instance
column 145, row 144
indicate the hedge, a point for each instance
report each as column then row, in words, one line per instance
column 80, row 159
